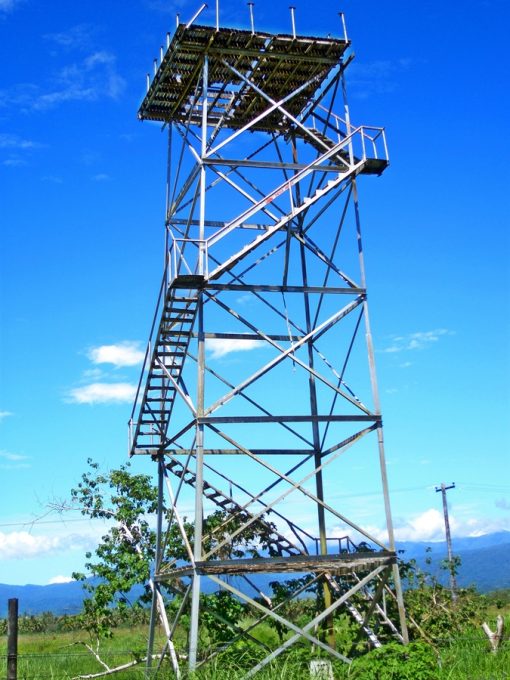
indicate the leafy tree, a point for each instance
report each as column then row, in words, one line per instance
column 120, row 564
column 123, row 557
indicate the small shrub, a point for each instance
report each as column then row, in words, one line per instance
column 416, row 661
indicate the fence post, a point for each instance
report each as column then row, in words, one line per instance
column 12, row 639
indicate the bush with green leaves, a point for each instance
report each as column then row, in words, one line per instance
column 435, row 610
column 416, row 661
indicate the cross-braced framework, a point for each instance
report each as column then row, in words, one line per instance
column 258, row 391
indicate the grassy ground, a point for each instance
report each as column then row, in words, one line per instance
column 470, row 659
column 57, row 656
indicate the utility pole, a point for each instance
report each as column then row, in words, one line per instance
column 453, row 581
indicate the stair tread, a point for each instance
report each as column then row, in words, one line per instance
column 281, row 543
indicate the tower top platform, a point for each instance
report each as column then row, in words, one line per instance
column 276, row 64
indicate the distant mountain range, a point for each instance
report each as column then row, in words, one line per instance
column 485, row 564
column 485, row 560
column 59, row 598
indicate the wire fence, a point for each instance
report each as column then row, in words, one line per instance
column 460, row 657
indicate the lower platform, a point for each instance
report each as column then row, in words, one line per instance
column 341, row 563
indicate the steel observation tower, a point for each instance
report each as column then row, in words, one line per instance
column 258, row 395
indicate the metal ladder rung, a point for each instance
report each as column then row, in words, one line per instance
column 179, row 310
column 171, row 354
column 167, row 316
column 177, row 343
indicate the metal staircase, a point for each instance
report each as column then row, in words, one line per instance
column 277, row 543
column 163, row 366
column 330, row 150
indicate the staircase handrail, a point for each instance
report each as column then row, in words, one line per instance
column 285, row 186
column 148, row 354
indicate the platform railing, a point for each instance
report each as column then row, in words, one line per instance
column 374, row 145
column 370, row 144
column 340, row 544
column 178, row 264
column 344, row 26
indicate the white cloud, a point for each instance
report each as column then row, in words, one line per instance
column 429, row 526
column 101, row 177
column 93, row 78
column 14, row 466
column 121, row 354
column 113, row 84
column 95, row 374
column 16, row 147
column 103, row 393
column 4, row 414
column 10, row 141
column 377, row 77
column 415, row 341
column 14, row 457
column 9, row 5
column 54, row 179
column 76, row 37
column 14, row 461
column 14, row 163
column 220, row 347
column 60, row 579
column 24, row 545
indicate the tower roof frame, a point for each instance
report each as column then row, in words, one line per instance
column 280, row 64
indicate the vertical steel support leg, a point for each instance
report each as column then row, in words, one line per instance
column 166, row 265
column 205, row 77
column 199, row 472
column 199, row 483
column 377, row 407
column 319, row 482
column 157, row 564
column 375, row 389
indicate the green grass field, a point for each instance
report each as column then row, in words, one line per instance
column 59, row 656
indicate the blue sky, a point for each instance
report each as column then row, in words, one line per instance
column 81, row 213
